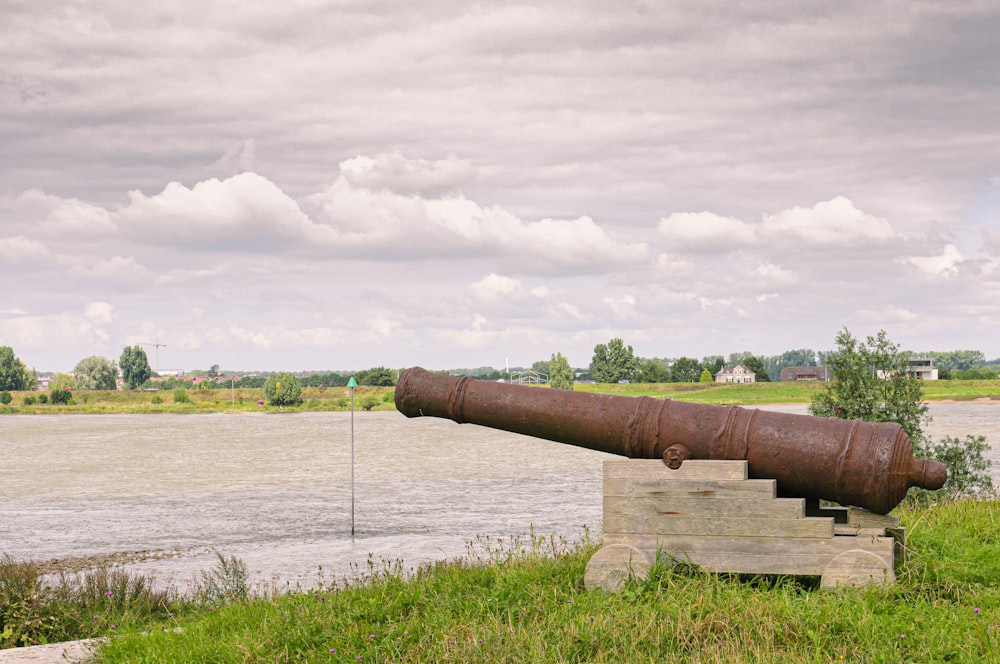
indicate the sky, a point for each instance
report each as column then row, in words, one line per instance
column 341, row 185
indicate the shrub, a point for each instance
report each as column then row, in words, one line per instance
column 61, row 396
column 226, row 582
column 157, row 399
column 43, row 398
column 29, row 400
column 5, row 397
column 968, row 468
column 181, row 396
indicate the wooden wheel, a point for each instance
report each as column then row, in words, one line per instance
column 612, row 566
column 857, row 568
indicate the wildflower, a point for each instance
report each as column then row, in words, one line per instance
column 333, row 650
column 902, row 636
column 406, row 632
column 976, row 610
column 110, row 594
column 95, row 616
column 371, row 636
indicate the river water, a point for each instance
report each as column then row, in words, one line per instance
column 276, row 489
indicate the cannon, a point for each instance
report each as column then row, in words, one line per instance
column 850, row 462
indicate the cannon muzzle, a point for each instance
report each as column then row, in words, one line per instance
column 864, row 464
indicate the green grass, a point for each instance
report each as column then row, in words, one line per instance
column 336, row 398
column 514, row 603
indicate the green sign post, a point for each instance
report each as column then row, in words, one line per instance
column 351, row 384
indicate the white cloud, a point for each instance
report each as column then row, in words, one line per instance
column 245, row 211
column 623, row 306
column 829, row 223
column 944, row 264
column 121, row 271
column 20, row 251
column 887, row 314
column 99, row 313
column 705, row 232
column 389, row 225
column 407, row 176
column 239, row 158
column 493, row 285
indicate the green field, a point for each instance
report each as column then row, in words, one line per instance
column 525, row 601
column 381, row 398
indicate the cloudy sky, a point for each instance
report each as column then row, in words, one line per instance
column 341, row 185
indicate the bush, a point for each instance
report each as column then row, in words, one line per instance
column 968, row 468
column 282, row 389
column 43, row 398
column 29, row 400
column 5, row 397
column 61, row 396
column 181, row 396
column 157, row 399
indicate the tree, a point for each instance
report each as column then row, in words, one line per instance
column 653, row 370
column 753, row 363
column 135, row 366
column 713, row 363
column 560, row 373
column 871, row 383
column 706, row 376
column 685, row 370
column 95, row 373
column 62, row 381
column 282, row 389
column 542, row 367
column 376, row 377
column 613, row 362
column 13, row 373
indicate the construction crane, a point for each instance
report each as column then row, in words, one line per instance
column 157, row 344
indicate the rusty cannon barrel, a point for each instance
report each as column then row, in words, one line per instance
column 864, row 464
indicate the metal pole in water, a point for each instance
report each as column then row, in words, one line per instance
column 352, row 384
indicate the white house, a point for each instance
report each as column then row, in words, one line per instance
column 737, row 374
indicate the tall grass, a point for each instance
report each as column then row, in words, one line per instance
column 36, row 608
column 510, row 601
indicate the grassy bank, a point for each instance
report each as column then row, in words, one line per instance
column 245, row 400
column 520, row 604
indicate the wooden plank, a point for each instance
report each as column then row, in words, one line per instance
column 756, row 555
column 657, row 524
column 692, row 469
column 717, row 505
column 638, row 487
column 865, row 519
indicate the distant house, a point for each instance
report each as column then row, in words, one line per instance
column 804, row 374
column 922, row 368
column 736, row 374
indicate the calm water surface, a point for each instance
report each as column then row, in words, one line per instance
column 275, row 489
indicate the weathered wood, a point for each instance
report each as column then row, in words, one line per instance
column 697, row 487
column 692, row 469
column 858, row 568
column 754, row 555
column 709, row 525
column 741, row 505
column 709, row 514
column 612, row 566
